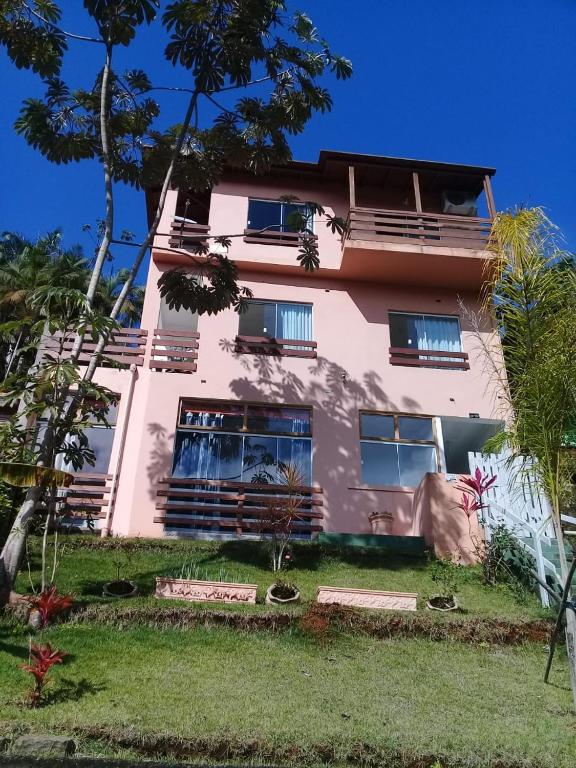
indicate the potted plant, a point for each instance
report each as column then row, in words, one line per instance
column 120, row 587
column 190, row 582
column 282, row 593
column 445, row 576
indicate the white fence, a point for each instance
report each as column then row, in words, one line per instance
column 516, row 501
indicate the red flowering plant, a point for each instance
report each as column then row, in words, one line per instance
column 473, row 492
column 49, row 604
column 42, row 659
column 472, row 503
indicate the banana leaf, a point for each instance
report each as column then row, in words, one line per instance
column 28, row 475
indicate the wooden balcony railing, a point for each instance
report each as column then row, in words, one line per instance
column 174, row 351
column 124, row 347
column 429, row 358
column 88, row 494
column 263, row 345
column 378, row 225
column 186, row 234
column 273, row 237
column 230, row 507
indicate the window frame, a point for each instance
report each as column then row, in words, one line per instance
column 397, row 440
column 282, row 203
column 276, row 302
column 439, row 315
column 244, row 430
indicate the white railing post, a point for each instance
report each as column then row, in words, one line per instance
column 540, row 570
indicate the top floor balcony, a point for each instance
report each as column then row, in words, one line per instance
column 408, row 221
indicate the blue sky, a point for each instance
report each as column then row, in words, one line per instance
column 488, row 83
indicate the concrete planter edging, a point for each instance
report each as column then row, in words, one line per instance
column 368, row 598
column 205, row 591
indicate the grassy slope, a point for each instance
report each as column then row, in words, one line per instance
column 429, row 697
column 83, row 572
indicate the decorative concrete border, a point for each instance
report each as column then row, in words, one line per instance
column 205, row 591
column 368, row 598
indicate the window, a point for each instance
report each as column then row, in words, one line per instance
column 276, row 320
column 396, row 449
column 432, row 332
column 176, row 319
column 276, row 215
column 100, row 436
column 241, row 442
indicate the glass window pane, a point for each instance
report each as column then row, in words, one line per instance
column 415, row 461
column 225, row 416
column 376, row 425
column 442, row 333
column 297, row 453
column 404, row 331
column 379, row 464
column 259, row 319
column 264, row 213
column 260, row 460
column 294, row 322
column 176, row 319
column 291, row 223
column 270, row 419
column 207, row 455
column 411, row 428
column 100, row 440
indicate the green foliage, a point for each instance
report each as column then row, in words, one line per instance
column 445, row 574
column 532, row 298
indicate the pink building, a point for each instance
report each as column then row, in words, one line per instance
column 365, row 373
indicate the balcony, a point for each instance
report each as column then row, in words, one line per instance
column 126, row 346
column 174, row 351
column 231, row 508
column 171, row 351
column 272, row 237
column 263, row 345
column 428, row 358
column 87, row 495
column 188, row 234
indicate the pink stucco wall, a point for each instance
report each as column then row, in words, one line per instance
column 352, row 372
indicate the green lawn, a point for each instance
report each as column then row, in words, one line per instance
column 278, row 691
column 83, row 571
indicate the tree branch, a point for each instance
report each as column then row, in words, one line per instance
column 71, row 35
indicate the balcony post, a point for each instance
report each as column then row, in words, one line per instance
column 489, row 197
column 352, row 186
column 418, row 200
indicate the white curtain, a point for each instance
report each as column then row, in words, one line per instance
column 294, row 321
column 442, row 333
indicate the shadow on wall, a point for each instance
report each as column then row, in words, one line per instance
column 336, row 397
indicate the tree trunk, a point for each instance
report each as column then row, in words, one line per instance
column 13, row 549
column 570, row 615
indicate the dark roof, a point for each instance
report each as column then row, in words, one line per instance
column 354, row 158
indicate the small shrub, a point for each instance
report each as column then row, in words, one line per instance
column 445, row 574
column 49, row 604
column 43, row 658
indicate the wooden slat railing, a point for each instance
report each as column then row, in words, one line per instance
column 273, row 237
column 227, row 506
column 89, row 493
column 187, row 234
column 429, row 358
column 124, row 347
column 174, row 351
column 264, row 345
column 382, row 225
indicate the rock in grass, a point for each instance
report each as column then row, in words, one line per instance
column 44, row 746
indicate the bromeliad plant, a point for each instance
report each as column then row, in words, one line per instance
column 42, row 659
column 49, row 604
column 472, row 503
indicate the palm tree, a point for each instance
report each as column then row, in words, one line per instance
column 27, row 271
column 531, row 295
column 107, row 293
